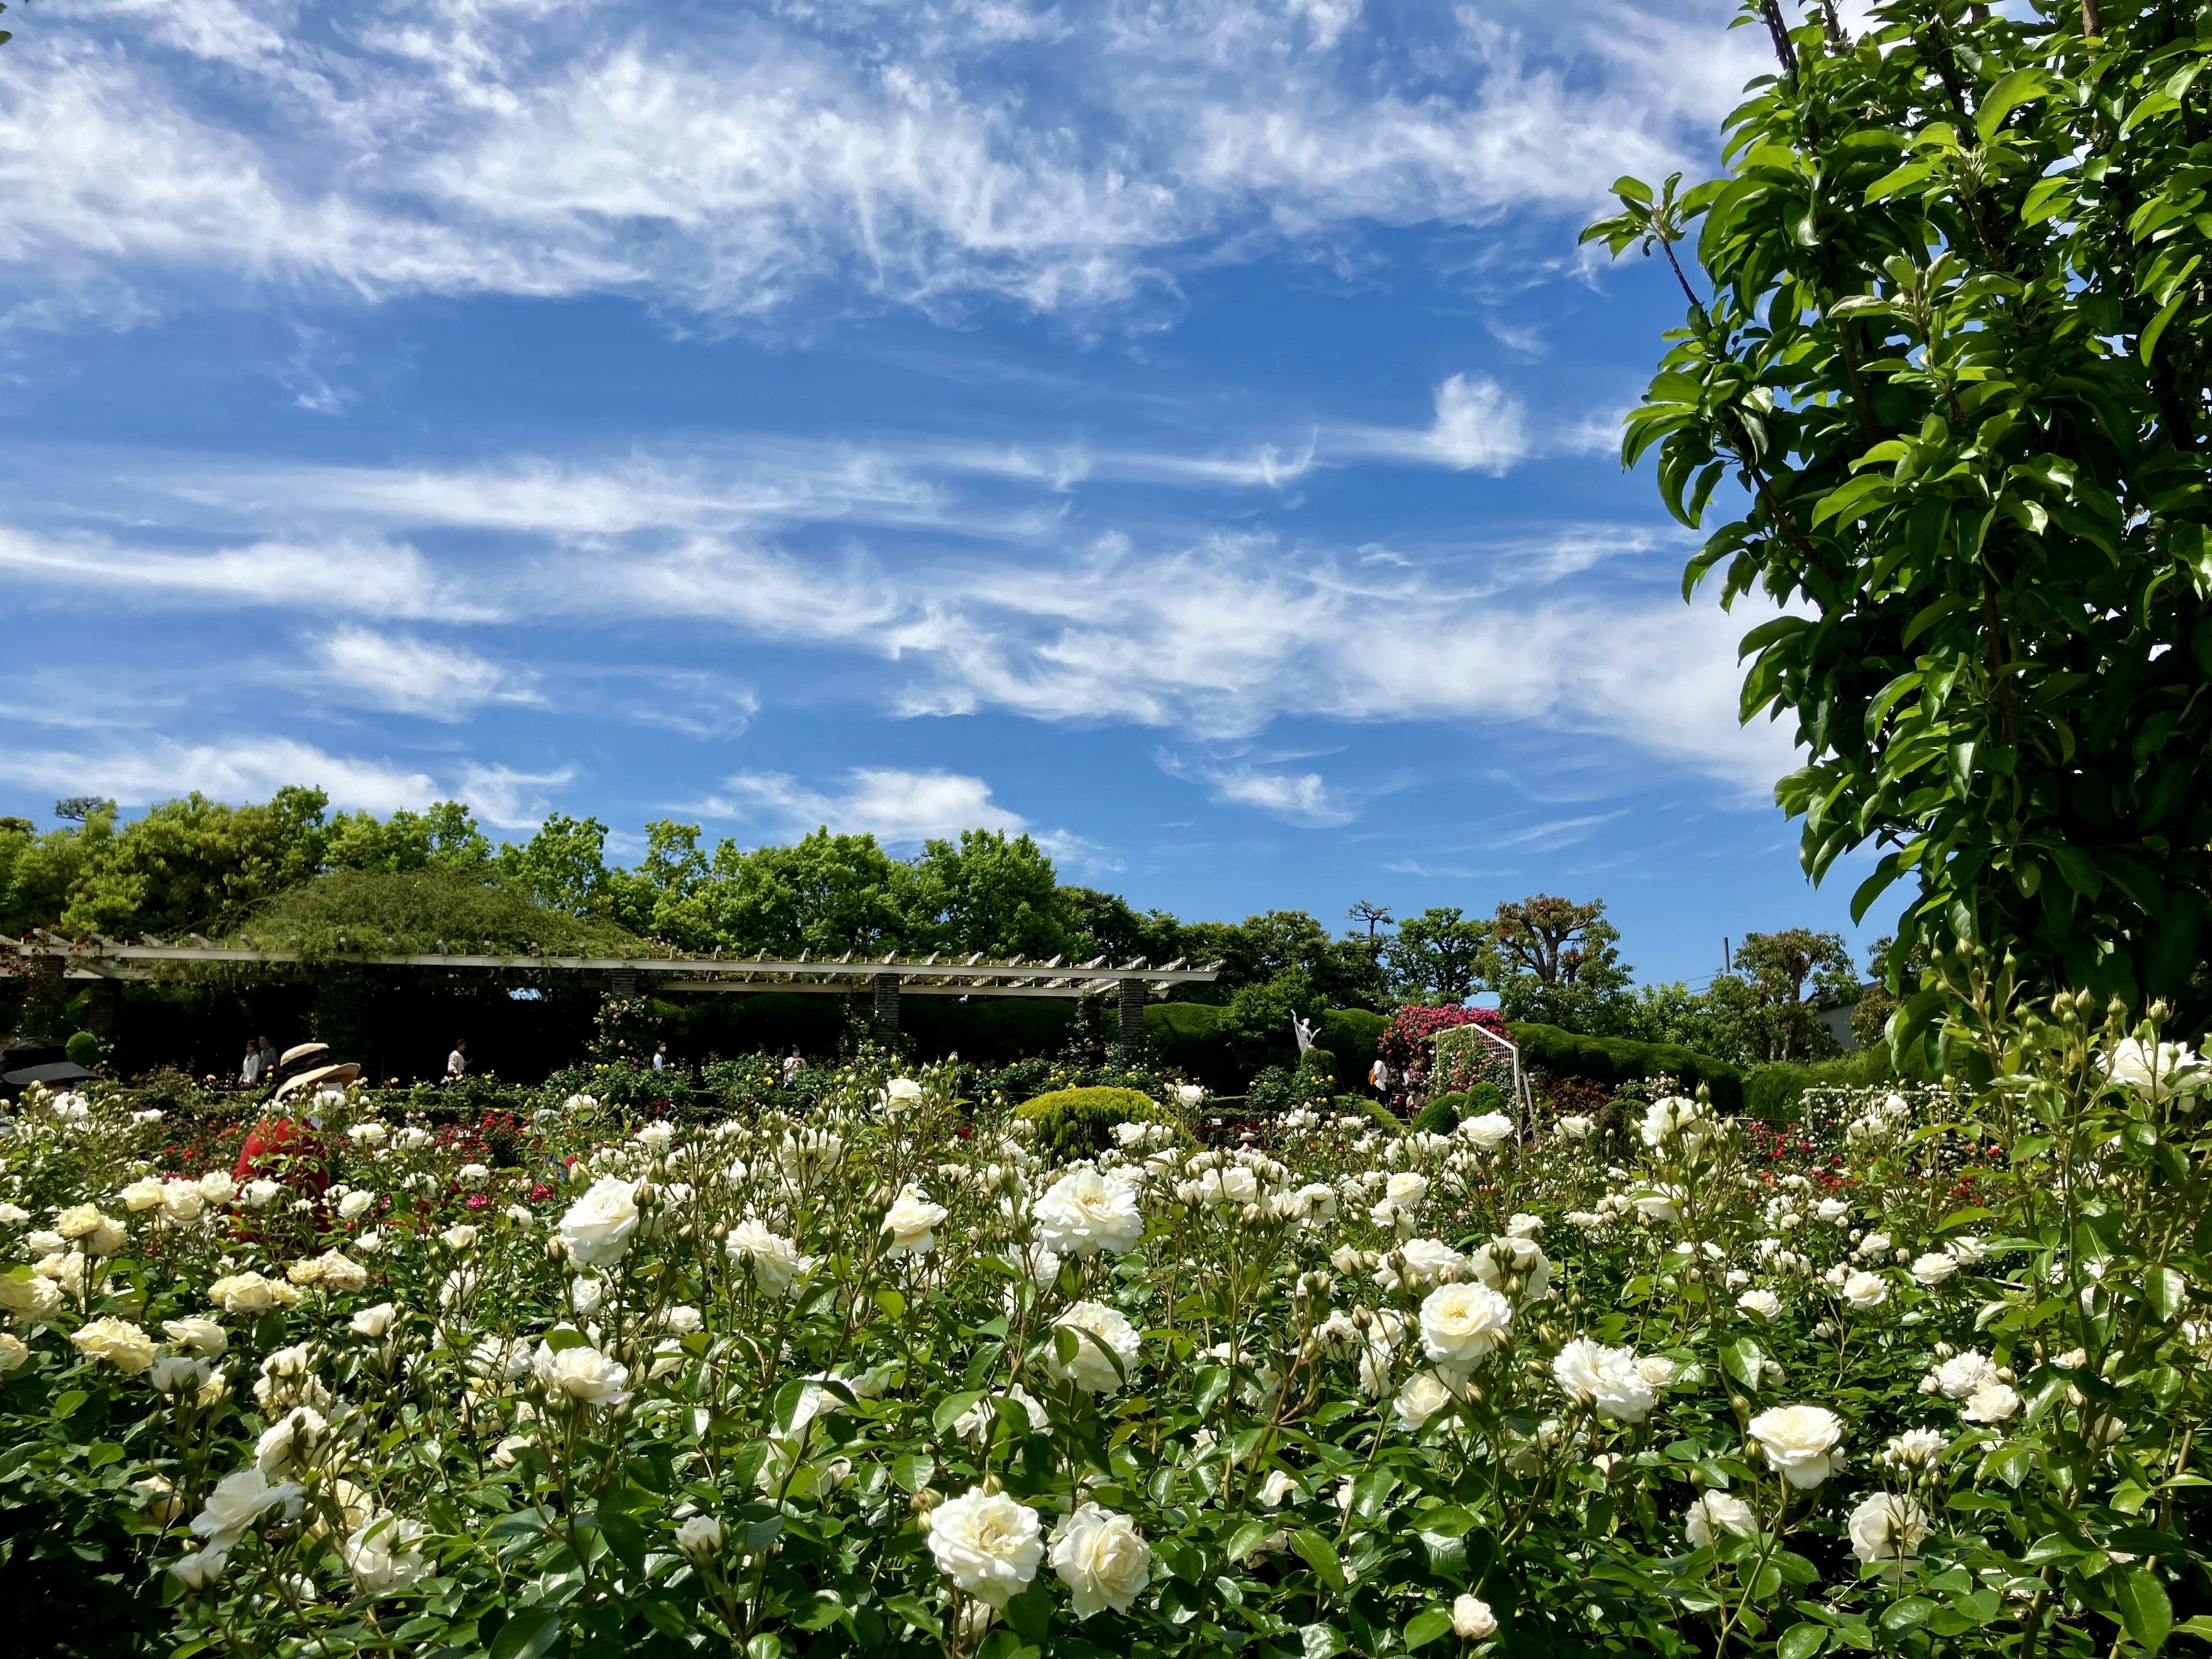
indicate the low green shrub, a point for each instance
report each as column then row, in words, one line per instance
column 84, row 1049
column 1352, row 1035
column 1080, row 1123
column 1613, row 1060
column 1441, row 1115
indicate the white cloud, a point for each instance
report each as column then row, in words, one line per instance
column 899, row 808
column 1479, row 427
column 1303, row 798
column 508, row 798
column 730, row 164
column 348, row 575
column 412, row 676
column 241, row 768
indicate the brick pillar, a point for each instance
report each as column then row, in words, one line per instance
column 43, row 1015
column 99, row 1008
column 887, row 1004
column 1133, row 1012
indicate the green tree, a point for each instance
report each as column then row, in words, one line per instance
column 1793, row 973
column 563, row 866
column 1106, row 925
column 1952, row 343
column 1553, row 960
column 827, row 894
column 194, row 863
column 988, row 893
column 1437, row 957
column 1258, row 948
column 446, row 835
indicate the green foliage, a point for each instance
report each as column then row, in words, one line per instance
column 426, row 911
column 1441, row 1115
column 84, row 1049
column 1080, row 1123
column 1608, row 1060
column 1438, row 956
column 1353, row 1034
column 1956, row 356
column 1556, row 962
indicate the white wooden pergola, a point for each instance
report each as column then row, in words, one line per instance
column 888, row 978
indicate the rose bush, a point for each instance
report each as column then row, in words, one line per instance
column 875, row 1372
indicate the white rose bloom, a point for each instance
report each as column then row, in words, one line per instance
column 1472, row 1620
column 656, row 1137
column 340, row 1273
column 1888, row 1528
column 986, row 1544
column 367, row 1134
column 374, row 1321
column 183, row 1202
column 1803, row 1443
column 33, row 1298
column 1577, row 1128
column 1716, row 1512
column 1676, row 1115
column 1762, row 1305
column 1966, row 1249
column 700, row 1537
column 142, row 1194
column 1422, row 1397
column 1089, row 1370
column 355, row 1204
column 1934, row 1268
column 1605, row 1378
column 1964, row 1374
column 599, row 1227
column 1084, row 1212
column 581, row 1373
column 1517, row 1255
column 1276, row 1487
column 1873, row 1247
column 200, row 1569
column 1866, row 1292
column 175, row 1374
column 911, row 1221
column 1833, row 1211
column 277, row 1453
column 202, row 1337
column 1489, row 1131
column 902, row 1091
column 1100, row 1558
column 1659, row 1203
column 2159, row 1074
column 1991, row 1403
column 260, row 1195
column 682, row 1318
column 1915, row 1449
column 1189, row 1096
column 217, row 1188
column 1462, row 1323
column 776, row 1262
column 1427, row 1262
column 238, row 1502
column 117, row 1342
column 1521, row 1224
column 383, row 1556
column 462, row 1237
column 977, row 1422
column 1406, row 1188
column 1656, row 1370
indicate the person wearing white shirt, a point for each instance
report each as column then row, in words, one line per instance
column 456, row 1063
column 1378, row 1075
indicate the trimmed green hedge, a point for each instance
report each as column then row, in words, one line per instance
column 1614, row 1060
column 1080, row 1123
column 1446, row 1112
column 1190, row 1037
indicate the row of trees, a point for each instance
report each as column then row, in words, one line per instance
column 196, row 865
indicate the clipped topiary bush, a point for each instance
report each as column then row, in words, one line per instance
column 1608, row 1061
column 84, row 1049
column 1441, row 1115
column 1080, row 1123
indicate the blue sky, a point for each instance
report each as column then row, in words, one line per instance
column 1186, row 433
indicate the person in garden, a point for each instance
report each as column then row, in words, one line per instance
column 456, row 1063
column 1378, row 1078
column 793, row 1064
column 249, row 1071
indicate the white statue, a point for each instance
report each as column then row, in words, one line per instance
column 1304, row 1031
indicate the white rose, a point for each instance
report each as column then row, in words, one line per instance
column 36, row 1297
column 1276, row 1487
column 1605, row 1378
column 354, row 1205
column 1802, row 1442
column 2159, row 1072
column 118, row 1342
column 1100, row 1558
column 775, row 1262
column 1522, row 1257
column 182, row 1201
column 1577, row 1128
column 14, row 1352
column 1239, row 1185
column 340, row 1273
column 1833, row 1211
column 1763, row 1305
column 1489, row 1131
column 1934, row 1268
column 581, row 1373
column 250, row 1293
column 977, row 1422
column 238, row 1502
column 202, row 1337
column 1189, row 1096
column 700, row 1537
column 142, row 1194
column 1422, row 1397
column 911, row 1220
column 1659, row 1203
column 367, row 1134
column 1873, row 1247
column 1406, row 1188
column 1965, row 1375
column 1461, row 1323
column 374, row 1321
column 599, row 1227
column 383, row 1557
column 1084, row 1212
column 1716, row 1512
column 462, row 1237
column 200, row 1569
column 217, row 1188
column 1991, row 1403
column 1472, row 1620
column 1886, row 1528
column 986, row 1544
column 260, row 1195
column 1866, row 1292
column 1089, row 1370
